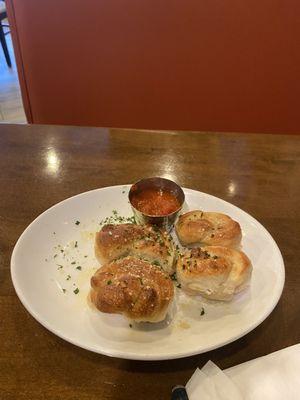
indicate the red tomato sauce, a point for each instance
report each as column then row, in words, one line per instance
column 155, row 202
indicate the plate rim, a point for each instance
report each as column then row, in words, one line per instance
column 132, row 355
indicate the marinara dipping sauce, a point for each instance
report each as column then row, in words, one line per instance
column 155, row 202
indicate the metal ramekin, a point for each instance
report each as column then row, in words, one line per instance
column 163, row 221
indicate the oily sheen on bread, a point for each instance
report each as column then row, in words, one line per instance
column 214, row 272
column 132, row 287
column 208, row 228
column 141, row 241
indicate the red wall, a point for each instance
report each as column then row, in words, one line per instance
column 221, row 65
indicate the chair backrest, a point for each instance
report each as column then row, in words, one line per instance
column 222, row 65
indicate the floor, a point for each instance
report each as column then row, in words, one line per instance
column 11, row 107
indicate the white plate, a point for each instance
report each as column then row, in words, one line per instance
column 39, row 280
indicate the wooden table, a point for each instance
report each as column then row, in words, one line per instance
column 41, row 165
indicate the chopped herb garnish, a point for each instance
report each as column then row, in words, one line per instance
column 54, row 233
column 77, row 222
column 109, row 282
column 73, row 262
column 76, row 291
column 173, row 277
column 205, row 254
column 59, row 266
column 123, row 191
column 179, row 285
column 85, row 256
column 68, row 277
column 115, row 218
column 130, row 325
column 212, row 235
column 64, row 290
column 79, row 267
column 156, row 262
column 202, row 312
column 61, row 250
column 215, row 257
column 76, row 244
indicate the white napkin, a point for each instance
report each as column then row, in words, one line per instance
column 211, row 383
column 275, row 376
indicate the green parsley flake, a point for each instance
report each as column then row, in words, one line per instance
column 76, row 291
column 202, row 312
column 109, row 282
column 76, row 244
column 155, row 262
column 77, row 222
column 115, row 218
column 79, row 267
column 73, row 262
column 173, row 277
column 64, row 290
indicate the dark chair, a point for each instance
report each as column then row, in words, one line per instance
column 3, row 15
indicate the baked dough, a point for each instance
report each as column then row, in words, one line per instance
column 141, row 241
column 132, row 287
column 208, row 228
column 214, row 272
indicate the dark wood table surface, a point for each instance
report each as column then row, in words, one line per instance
column 258, row 173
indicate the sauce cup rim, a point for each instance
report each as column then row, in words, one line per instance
column 178, row 187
